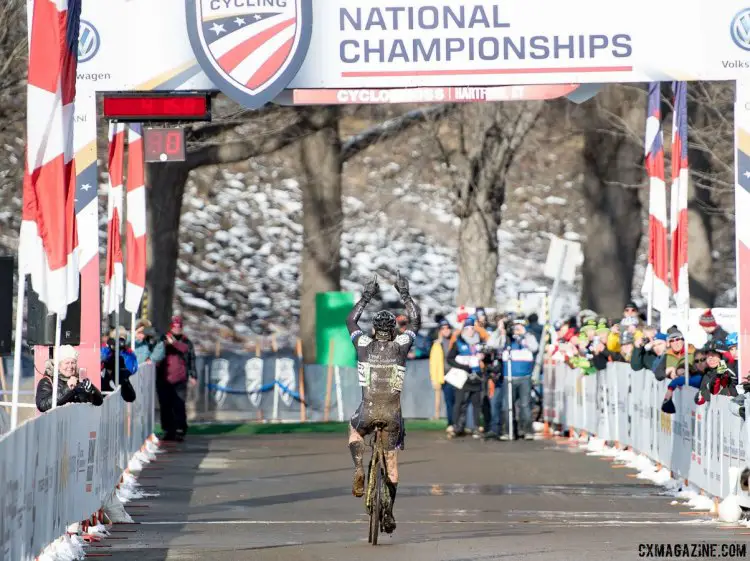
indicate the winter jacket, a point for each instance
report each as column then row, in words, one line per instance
column 642, row 358
column 438, row 362
column 521, row 357
column 146, row 349
column 717, row 381
column 179, row 362
column 718, row 336
column 675, row 360
column 600, row 361
column 679, row 382
column 128, row 360
column 463, row 355
column 65, row 395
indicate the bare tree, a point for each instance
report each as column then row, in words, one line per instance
column 489, row 139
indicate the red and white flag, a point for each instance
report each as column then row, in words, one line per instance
column 136, row 226
column 679, row 211
column 48, row 241
column 113, row 277
column 656, row 282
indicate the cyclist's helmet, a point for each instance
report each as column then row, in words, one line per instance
column 731, row 340
column 384, row 324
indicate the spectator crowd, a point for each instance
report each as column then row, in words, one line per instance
column 589, row 342
column 173, row 355
column 487, row 363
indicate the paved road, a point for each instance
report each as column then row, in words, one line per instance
column 287, row 498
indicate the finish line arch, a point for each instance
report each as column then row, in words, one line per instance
column 301, row 52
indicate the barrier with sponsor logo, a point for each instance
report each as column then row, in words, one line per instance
column 63, row 466
column 699, row 443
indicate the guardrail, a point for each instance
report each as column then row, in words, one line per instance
column 698, row 444
column 62, row 467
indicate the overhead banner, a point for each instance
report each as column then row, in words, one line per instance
column 256, row 47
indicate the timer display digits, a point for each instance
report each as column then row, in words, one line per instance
column 164, row 145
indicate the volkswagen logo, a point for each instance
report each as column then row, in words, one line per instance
column 740, row 29
column 88, row 41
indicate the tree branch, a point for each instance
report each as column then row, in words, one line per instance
column 216, row 154
column 392, row 128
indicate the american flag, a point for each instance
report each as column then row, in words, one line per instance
column 135, row 235
column 252, row 48
column 48, row 244
column 679, row 211
column 113, row 277
column 657, row 273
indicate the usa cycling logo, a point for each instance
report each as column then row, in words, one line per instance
column 250, row 53
column 740, row 29
column 88, row 41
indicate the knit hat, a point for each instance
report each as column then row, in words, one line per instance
column 707, row 319
column 631, row 304
column 68, row 352
column 627, row 338
column 444, row 323
column 469, row 321
column 602, row 329
column 674, row 336
column 660, row 337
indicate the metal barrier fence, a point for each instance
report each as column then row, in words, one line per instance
column 242, row 387
column 699, row 443
column 63, row 466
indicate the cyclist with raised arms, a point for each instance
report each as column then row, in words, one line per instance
column 381, row 366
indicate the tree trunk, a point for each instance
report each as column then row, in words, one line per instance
column 613, row 174
column 493, row 133
column 477, row 259
column 322, row 220
column 702, row 281
column 165, row 186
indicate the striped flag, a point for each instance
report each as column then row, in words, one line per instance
column 136, row 225
column 656, row 282
column 113, row 277
column 48, row 241
column 679, row 211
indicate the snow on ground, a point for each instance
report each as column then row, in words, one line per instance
column 728, row 510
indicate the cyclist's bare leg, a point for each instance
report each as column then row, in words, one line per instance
column 357, row 448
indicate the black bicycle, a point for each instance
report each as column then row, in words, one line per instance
column 376, row 491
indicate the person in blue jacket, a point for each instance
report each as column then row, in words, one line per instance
column 128, row 366
column 518, row 360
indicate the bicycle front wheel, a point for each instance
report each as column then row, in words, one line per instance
column 377, row 506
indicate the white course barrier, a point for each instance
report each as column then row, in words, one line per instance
column 699, row 443
column 63, row 466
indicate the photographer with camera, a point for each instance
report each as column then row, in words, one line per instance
column 70, row 388
column 148, row 348
column 127, row 367
column 465, row 355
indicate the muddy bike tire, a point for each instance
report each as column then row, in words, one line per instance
column 377, row 505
